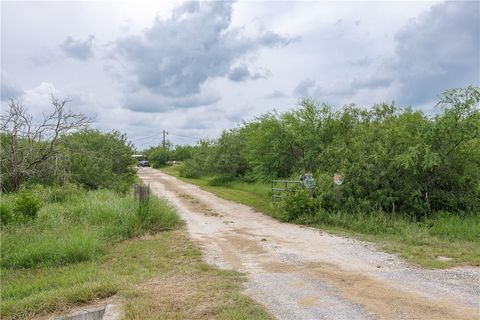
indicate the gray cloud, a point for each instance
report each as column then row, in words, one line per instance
column 144, row 101
column 176, row 56
column 78, row 49
column 276, row 94
column 361, row 62
column 272, row 39
column 306, row 88
column 9, row 90
column 332, row 90
column 241, row 73
column 437, row 51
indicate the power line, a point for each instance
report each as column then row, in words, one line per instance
column 141, row 144
column 179, row 135
column 172, row 134
column 163, row 133
column 154, row 135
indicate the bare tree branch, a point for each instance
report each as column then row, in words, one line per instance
column 25, row 146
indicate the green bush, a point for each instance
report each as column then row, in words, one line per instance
column 189, row 170
column 296, row 204
column 98, row 160
column 394, row 160
column 27, row 204
column 220, row 180
column 6, row 214
column 158, row 157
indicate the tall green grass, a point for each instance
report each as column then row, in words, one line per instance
column 444, row 226
column 80, row 227
column 453, row 227
column 52, row 260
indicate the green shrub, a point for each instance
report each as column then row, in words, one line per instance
column 27, row 204
column 296, row 204
column 99, row 160
column 189, row 170
column 395, row 160
column 6, row 214
column 158, row 157
column 220, row 180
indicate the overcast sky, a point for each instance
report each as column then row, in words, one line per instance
column 196, row 68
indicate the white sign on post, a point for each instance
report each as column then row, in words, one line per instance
column 308, row 181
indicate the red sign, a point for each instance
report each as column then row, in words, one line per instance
column 337, row 179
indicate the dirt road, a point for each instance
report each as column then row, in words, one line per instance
column 304, row 273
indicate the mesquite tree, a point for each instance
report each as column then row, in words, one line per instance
column 27, row 145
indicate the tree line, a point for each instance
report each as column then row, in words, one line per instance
column 395, row 160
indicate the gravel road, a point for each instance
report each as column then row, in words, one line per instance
column 303, row 273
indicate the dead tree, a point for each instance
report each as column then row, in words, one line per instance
column 26, row 145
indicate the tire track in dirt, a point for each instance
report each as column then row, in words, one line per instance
column 303, row 273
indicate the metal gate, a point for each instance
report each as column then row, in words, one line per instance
column 281, row 187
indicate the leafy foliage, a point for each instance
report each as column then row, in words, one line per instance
column 99, row 160
column 60, row 149
column 296, row 204
column 393, row 160
column 27, row 205
column 6, row 214
column 28, row 146
column 158, row 157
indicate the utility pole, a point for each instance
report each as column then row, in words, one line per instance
column 164, row 142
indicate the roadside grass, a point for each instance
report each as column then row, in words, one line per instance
column 438, row 242
column 93, row 245
column 188, row 288
column 80, row 229
column 159, row 276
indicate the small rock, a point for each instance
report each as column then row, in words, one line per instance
column 263, row 239
column 379, row 266
column 444, row 258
